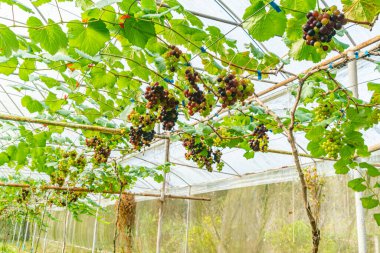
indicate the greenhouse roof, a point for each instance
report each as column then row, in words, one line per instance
column 227, row 16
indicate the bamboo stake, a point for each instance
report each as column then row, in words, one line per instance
column 77, row 189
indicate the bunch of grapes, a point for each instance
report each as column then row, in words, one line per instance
column 164, row 102
column 259, row 141
column 25, row 195
column 321, row 27
column 199, row 152
column 333, row 143
column 168, row 116
column 101, row 150
column 155, row 93
column 69, row 159
column 172, row 58
column 139, row 138
column 142, row 132
column 324, row 111
column 197, row 100
column 232, row 89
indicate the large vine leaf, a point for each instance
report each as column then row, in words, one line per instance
column 8, row 41
column 138, row 32
column 89, row 38
column 50, row 37
column 8, row 66
column 262, row 24
column 296, row 7
column 361, row 10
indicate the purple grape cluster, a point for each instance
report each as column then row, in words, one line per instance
column 321, row 27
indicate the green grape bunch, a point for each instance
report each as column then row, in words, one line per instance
column 172, row 58
column 333, row 143
column 324, row 111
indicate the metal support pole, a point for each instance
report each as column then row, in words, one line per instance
column 19, row 233
column 25, row 234
column 376, row 244
column 45, row 240
column 34, row 235
column 14, row 232
column 187, row 222
column 360, row 218
column 65, row 230
column 96, row 226
column 162, row 200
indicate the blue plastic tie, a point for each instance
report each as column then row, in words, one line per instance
column 203, row 49
column 216, row 115
column 259, row 74
column 132, row 100
column 270, row 131
column 356, row 54
column 275, row 6
column 330, row 65
column 251, row 118
column 176, row 107
column 188, row 64
column 366, row 53
column 183, row 103
column 168, row 80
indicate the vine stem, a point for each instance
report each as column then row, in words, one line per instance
column 359, row 22
column 289, row 132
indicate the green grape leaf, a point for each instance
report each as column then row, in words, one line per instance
column 89, row 38
column 148, row 5
column 54, row 103
column 8, row 41
column 341, row 166
column 357, row 184
column 31, row 104
column 361, row 10
column 377, row 218
column 4, row 158
column 138, row 32
column 263, row 25
column 27, row 68
column 50, row 82
column 369, row 202
column 294, row 29
column 8, row 66
column 50, row 37
column 371, row 170
column 375, row 87
column 300, row 51
column 298, row 7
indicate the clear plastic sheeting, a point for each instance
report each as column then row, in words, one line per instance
column 227, row 16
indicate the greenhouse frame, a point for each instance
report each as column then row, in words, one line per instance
column 189, row 126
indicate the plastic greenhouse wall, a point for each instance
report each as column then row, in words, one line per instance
column 265, row 218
